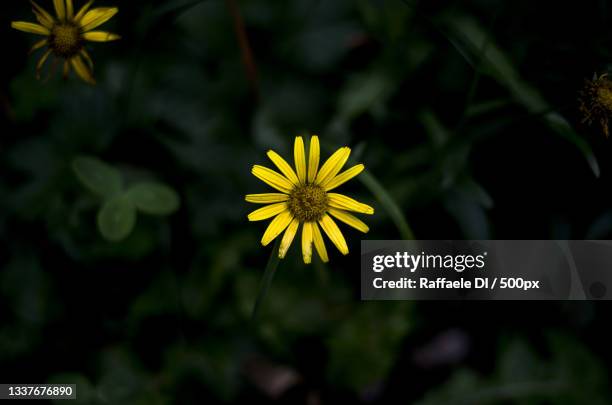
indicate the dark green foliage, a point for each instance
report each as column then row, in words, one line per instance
column 465, row 116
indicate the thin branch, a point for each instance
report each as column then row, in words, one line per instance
column 247, row 54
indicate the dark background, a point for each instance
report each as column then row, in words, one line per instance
column 465, row 114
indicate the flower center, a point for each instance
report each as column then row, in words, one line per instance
column 65, row 40
column 308, row 202
column 604, row 95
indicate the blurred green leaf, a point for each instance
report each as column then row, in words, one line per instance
column 199, row 290
column 25, row 107
column 437, row 132
column 362, row 93
column 486, row 107
column 375, row 330
column 601, row 227
column 154, row 198
column 460, row 385
column 478, row 48
column 297, row 304
column 99, row 177
column 569, row 375
column 16, row 340
column 518, row 363
column 122, row 380
column 585, row 374
column 173, row 9
column 214, row 366
column 467, row 203
column 563, row 128
column 85, row 392
column 156, row 19
column 474, row 190
column 469, row 214
column 387, row 201
column 25, row 285
column 117, row 218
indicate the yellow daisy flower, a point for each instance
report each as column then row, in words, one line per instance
column 305, row 199
column 66, row 34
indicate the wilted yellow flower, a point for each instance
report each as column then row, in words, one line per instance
column 596, row 101
column 66, row 34
column 305, row 199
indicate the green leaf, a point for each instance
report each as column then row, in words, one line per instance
column 362, row 93
column 99, row 177
column 563, row 128
column 86, row 393
column 172, row 10
column 117, row 218
column 154, row 198
column 387, row 201
column 486, row 107
column 469, row 214
column 378, row 345
column 438, row 134
column 480, row 51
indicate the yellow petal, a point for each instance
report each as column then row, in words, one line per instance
column 100, row 36
column 319, row 243
column 283, row 166
column 69, row 10
column 32, row 28
column 87, row 58
column 334, row 233
column 307, row 242
column 313, row 158
column 288, row 238
column 96, row 17
column 39, row 45
column 81, row 70
column 349, row 219
column 266, row 212
column 333, row 165
column 60, row 9
column 346, row 203
column 266, row 198
column 42, row 15
column 82, row 11
column 45, row 23
column 272, row 178
column 41, row 63
column 300, row 159
column 344, row 177
column 278, row 224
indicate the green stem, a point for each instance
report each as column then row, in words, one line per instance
column 388, row 203
column 266, row 280
column 384, row 198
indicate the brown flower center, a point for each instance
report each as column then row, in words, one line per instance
column 604, row 96
column 308, row 202
column 66, row 40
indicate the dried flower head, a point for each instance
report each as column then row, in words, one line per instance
column 596, row 101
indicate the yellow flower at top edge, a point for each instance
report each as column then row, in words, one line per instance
column 66, row 33
column 306, row 199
